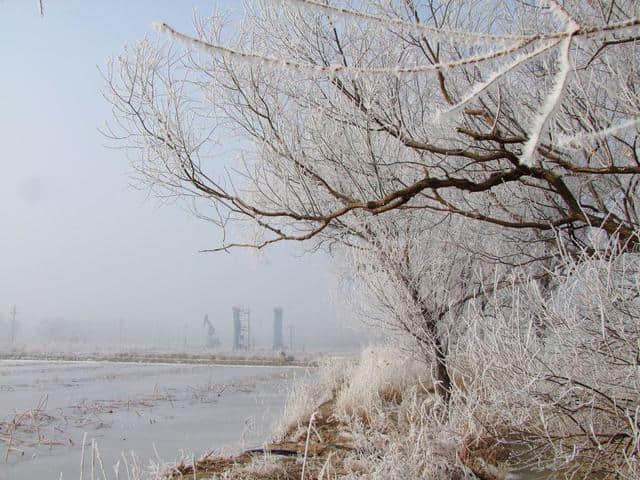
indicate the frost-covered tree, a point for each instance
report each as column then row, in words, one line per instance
column 517, row 115
column 413, row 278
column 335, row 123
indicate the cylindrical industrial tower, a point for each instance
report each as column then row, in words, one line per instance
column 277, row 329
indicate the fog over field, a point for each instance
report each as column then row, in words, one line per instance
column 86, row 258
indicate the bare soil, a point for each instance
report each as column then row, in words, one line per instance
column 323, row 447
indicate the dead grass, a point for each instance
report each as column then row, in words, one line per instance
column 28, row 428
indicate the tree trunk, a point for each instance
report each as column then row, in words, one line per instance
column 442, row 380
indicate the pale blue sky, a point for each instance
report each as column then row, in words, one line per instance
column 75, row 240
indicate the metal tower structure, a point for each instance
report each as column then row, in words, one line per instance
column 241, row 328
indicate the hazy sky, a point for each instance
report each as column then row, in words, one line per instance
column 75, row 240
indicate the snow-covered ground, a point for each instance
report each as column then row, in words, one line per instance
column 46, row 408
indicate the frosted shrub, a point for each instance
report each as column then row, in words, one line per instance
column 382, row 376
column 551, row 386
column 558, row 382
column 306, row 396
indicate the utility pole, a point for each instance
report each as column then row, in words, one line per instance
column 249, row 329
column 120, row 329
column 186, row 328
column 13, row 324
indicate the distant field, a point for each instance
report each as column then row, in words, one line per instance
column 155, row 357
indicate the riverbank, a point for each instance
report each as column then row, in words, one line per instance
column 378, row 418
column 324, row 452
column 342, row 425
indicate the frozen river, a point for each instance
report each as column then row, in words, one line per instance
column 164, row 410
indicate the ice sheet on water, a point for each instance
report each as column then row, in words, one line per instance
column 47, row 406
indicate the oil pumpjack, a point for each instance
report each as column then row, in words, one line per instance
column 212, row 339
